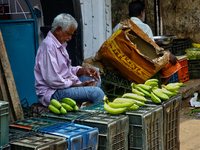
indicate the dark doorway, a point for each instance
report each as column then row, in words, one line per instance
column 51, row 8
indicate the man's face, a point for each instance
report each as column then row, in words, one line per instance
column 65, row 36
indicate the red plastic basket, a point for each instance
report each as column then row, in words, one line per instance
column 183, row 73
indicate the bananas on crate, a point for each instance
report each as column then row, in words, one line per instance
column 63, row 106
column 151, row 89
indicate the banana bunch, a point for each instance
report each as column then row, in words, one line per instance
column 196, row 45
column 128, row 101
column 151, row 89
column 62, row 107
column 144, row 89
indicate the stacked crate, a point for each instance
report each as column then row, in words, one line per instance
column 4, row 125
column 113, row 129
column 39, row 142
column 145, row 125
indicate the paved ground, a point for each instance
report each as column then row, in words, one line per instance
column 189, row 123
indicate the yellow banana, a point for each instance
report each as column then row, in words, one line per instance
column 160, row 94
column 76, row 108
column 154, row 98
column 137, row 92
column 146, row 93
column 63, row 110
column 145, row 87
column 133, row 107
column 69, row 101
column 119, row 105
column 134, row 96
column 54, row 109
column 55, row 103
column 67, row 106
column 113, row 110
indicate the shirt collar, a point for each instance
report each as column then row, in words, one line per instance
column 57, row 43
column 135, row 19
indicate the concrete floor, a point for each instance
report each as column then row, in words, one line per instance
column 189, row 124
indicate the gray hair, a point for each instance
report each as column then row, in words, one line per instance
column 65, row 21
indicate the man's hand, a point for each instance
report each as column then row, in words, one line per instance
column 90, row 72
column 86, row 83
column 172, row 59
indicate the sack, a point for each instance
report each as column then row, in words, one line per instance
column 133, row 53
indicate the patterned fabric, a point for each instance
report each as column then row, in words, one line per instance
column 81, row 94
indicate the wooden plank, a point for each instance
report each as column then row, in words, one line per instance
column 4, row 96
column 12, row 90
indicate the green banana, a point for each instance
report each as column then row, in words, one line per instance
column 146, row 93
column 133, row 85
column 152, row 84
column 175, row 84
column 133, row 107
column 154, row 98
column 119, row 105
column 54, row 109
column 145, row 87
column 171, row 87
column 55, row 103
column 123, row 100
column 174, row 93
column 63, row 110
column 164, row 90
column 76, row 108
column 113, row 110
column 67, row 106
column 134, row 96
column 160, row 94
column 151, row 80
column 135, row 91
column 139, row 103
column 69, row 101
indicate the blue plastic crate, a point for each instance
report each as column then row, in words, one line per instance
column 4, row 124
column 174, row 78
column 77, row 136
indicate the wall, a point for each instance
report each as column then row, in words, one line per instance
column 180, row 17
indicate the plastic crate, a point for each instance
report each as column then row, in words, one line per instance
column 32, row 124
column 34, row 110
column 77, row 136
column 115, row 84
column 40, row 142
column 171, row 122
column 174, row 78
column 15, row 134
column 179, row 46
column 183, row 73
column 99, row 106
column 146, row 128
column 193, row 68
column 5, row 147
column 69, row 116
column 4, row 124
column 113, row 129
